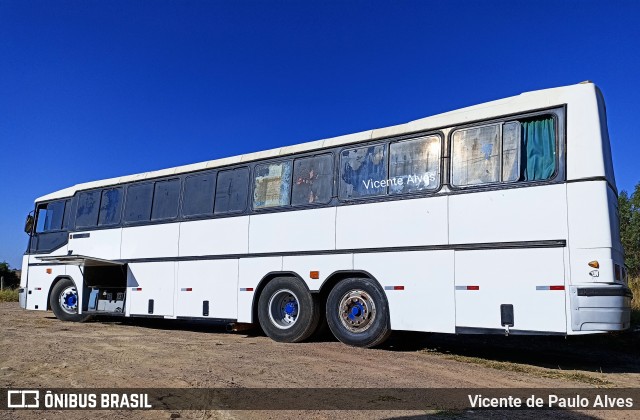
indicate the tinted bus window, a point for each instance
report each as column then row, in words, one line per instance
column 88, row 206
column 232, row 191
column 50, row 216
column 414, row 165
column 110, row 207
column 166, row 197
column 363, row 171
column 138, row 205
column 199, row 191
column 312, row 180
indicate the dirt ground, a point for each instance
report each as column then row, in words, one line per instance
column 37, row 350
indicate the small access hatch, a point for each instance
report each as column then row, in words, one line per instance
column 80, row 260
column 105, row 282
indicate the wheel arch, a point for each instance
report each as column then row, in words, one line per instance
column 53, row 284
column 263, row 283
column 337, row 276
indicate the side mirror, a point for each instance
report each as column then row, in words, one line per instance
column 28, row 225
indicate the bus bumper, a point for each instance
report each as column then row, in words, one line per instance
column 600, row 307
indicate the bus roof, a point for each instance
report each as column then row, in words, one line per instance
column 520, row 103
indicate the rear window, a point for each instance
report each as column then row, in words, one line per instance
column 522, row 150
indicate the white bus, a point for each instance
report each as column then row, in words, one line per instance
column 497, row 218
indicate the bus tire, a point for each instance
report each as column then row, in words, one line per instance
column 287, row 311
column 64, row 301
column 358, row 313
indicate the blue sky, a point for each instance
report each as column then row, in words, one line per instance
column 97, row 89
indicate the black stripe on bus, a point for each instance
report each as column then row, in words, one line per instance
column 559, row 243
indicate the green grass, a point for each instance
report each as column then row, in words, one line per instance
column 634, row 285
column 9, row 295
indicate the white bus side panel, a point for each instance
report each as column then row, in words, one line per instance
column 213, row 281
column 427, row 302
column 304, row 230
column 103, row 243
column 589, row 219
column 511, row 276
column 39, row 281
column 393, row 224
column 156, row 281
column 518, row 214
column 154, row 241
column 228, row 235
column 40, row 284
column 252, row 270
column 325, row 265
column 594, row 227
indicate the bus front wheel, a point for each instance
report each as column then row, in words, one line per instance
column 287, row 311
column 358, row 313
column 64, row 301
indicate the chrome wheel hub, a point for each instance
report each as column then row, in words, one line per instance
column 357, row 311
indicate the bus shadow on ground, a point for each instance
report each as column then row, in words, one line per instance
column 606, row 353
column 498, row 414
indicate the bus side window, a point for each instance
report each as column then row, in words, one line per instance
column 363, row 171
column 513, row 151
column 476, row 155
column 414, row 165
column 272, row 185
column 312, row 180
column 138, row 205
column 66, row 223
column 232, row 191
column 50, row 216
column 88, row 206
column 199, row 192
column 166, row 197
column 110, row 207
column 538, row 148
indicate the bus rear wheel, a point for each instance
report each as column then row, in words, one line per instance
column 287, row 311
column 358, row 313
column 64, row 301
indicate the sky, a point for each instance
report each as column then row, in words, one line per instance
column 99, row 89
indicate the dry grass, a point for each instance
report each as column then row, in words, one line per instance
column 9, row 295
column 570, row 375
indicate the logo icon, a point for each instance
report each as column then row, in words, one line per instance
column 25, row 398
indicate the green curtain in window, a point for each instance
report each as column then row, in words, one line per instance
column 540, row 147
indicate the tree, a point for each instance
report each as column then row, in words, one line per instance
column 629, row 210
column 11, row 280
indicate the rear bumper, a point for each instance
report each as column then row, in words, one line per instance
column 600, row 307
